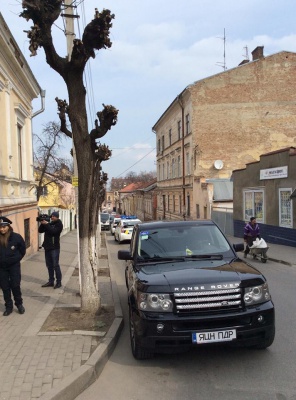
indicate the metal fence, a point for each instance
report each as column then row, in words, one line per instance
column 223, row 217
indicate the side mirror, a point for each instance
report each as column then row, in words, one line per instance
column 124, row 255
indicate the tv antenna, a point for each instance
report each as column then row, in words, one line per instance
column 223, row 64
column 246, row 55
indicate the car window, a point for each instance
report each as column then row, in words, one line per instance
column 104, row 217
column 183, row 241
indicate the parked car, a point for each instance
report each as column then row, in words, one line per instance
column 114, row 223
column 105, row 221
column 123, row 231
column 187, row 286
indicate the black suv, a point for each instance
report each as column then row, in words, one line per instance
column 186, row 286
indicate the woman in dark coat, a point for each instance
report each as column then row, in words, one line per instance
column 12, row 250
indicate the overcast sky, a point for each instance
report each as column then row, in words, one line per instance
column 159, row 47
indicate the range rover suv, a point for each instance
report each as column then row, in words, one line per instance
column 187, row 287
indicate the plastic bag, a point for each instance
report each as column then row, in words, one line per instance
column 259, row 244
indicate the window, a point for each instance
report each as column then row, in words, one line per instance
column 179, row 167
column 162, row 143
column 170, row 137
column 163, row 171
column 187, row 164
column 158, row 145
column 27, row 232
column 174, row 203
column 180, row 204
column 197, row 211
column 179, row 129
column 44, row 191
column 19, row 143
column 254, row 205
column 173, row 168
column 168, row 170
column 285, row 208
column 188, row 205
column 187, row 122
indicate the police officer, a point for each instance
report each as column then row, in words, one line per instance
column 12, row 250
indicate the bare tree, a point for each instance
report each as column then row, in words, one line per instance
column 89, row 153
column 49, row 166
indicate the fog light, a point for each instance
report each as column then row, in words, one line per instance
column 260, row 319
column 159, row 328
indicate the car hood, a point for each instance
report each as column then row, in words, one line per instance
column 176, row 276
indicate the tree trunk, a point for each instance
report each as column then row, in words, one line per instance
column 91, row 300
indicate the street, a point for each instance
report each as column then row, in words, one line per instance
column 204, row 373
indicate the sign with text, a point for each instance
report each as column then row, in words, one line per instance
column 74, row 180
column 274, row 173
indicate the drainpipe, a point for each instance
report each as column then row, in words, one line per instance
column 42, row 93
column 183, row 156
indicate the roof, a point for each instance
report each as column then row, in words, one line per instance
column 131, row 187
column 223, row 189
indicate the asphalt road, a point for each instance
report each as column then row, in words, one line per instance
column 207, row 373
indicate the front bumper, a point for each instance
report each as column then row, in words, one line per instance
column 253, row 325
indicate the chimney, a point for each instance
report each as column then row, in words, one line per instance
column 258, row 53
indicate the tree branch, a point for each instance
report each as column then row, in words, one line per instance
column 63, row 110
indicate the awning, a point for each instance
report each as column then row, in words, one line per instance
column 223, row 189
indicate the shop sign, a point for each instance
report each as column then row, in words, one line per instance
column 274, row 173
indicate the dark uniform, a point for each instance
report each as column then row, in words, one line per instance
column 51, row 245
column 10, row 269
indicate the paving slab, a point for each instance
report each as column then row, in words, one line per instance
column 52, row 365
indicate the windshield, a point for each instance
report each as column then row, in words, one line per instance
column 190, row 241
column 104, row 217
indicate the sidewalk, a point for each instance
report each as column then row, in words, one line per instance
column 59, row 365
column 278, row 253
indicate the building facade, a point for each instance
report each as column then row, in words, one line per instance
column 266, row 189
column 18, row 87
column 219, row 124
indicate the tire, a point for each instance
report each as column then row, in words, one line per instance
column 139, row 352
column 263, row 260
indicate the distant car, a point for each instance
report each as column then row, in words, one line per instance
column 114, row 223
column 186, row 287
column 123, row 231
column 105, row 221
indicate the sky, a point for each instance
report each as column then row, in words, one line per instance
column 159, row 48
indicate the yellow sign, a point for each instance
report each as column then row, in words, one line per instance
column 74, row 180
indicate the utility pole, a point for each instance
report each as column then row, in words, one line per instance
column 70, row 36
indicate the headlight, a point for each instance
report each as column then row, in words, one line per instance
column 155, row 302
column 256, row 295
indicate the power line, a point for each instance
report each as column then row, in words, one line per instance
column 135, row 163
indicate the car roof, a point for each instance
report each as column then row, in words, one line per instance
column 173, row 224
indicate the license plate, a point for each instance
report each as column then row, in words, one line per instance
column 214, row 336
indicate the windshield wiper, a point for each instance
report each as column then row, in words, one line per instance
column 158, row 259
column 206, row 256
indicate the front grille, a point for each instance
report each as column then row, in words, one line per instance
column 208, row 300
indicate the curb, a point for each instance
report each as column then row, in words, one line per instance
column 75, row 383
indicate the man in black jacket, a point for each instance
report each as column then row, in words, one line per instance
column 51, row 244
column 12, row 250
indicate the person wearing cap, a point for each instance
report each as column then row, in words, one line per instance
column 12, row 250
column 51, row 244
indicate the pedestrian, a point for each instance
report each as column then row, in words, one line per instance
column 51, row 244
column 251, row 233
column 12, row 250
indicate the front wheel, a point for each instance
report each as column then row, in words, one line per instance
column 139, row 352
